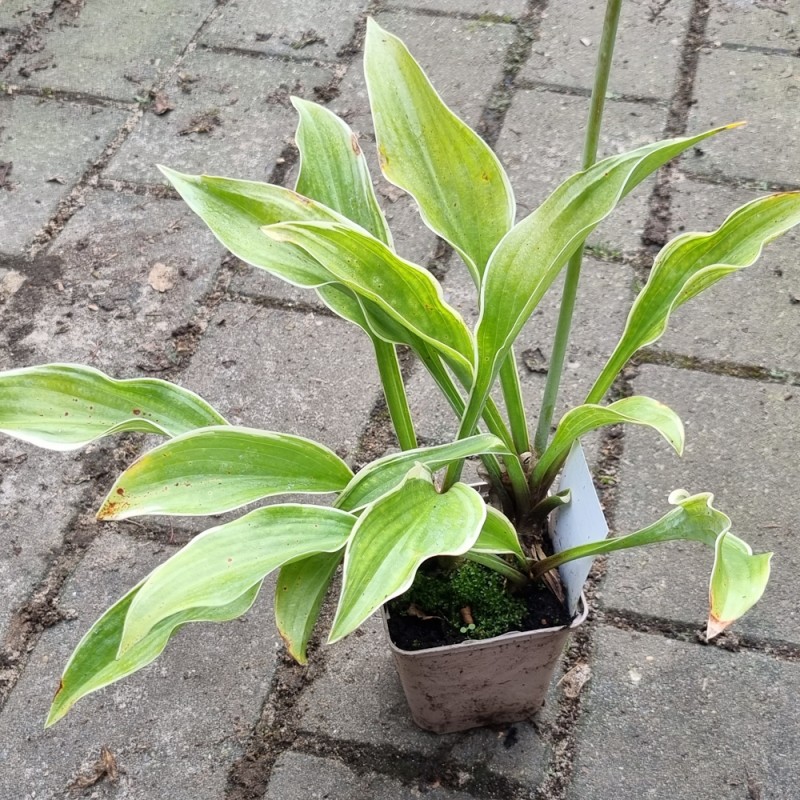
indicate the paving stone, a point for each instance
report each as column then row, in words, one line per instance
column 445, row 47
column 750, row 317
column 741, row 445
column 646, row 55
column 297, row 776
column 495, row 8
column 112, row 50
column 603, row 285
column 316, row 29
column 39, row 493
column 50, row 144
column 728, row 720
column 764, row 91
column 174, row 728
column 232, row 117
column 754, row 23
column 541, row 147
column 91, row 301
column 16, row 14
column 286, row 371
column 359, row 699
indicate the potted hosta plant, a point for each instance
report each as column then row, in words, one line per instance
column 404, row 530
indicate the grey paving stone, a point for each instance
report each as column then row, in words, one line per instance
column 39, row 492
column 753, row 23
column 541, row 147
column 174, row 728
column 50, row 144
column 298, row 776
column 605, row 286
column 91, row 301
column 741, row 445
column 445, row 47
column 496, row 8
column 646, row 55
column 16, row 14
column 359, row 699
column 315, row 29
column 752, row 316
column 286, row 371
column 113, row 50
column 670, row 719
column 764, row 91
column 232, row 117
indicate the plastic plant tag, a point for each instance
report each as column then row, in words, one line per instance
column 578, row 522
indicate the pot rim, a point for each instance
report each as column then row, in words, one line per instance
column 480, row 644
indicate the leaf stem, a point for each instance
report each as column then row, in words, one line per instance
column 569, row 294
column 395, row 393
column 512, row 394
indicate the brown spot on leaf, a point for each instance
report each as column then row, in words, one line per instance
column 120, row 491
column 137, row 411
column 354, row 144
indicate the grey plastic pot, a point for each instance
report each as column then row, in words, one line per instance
column 476, row 683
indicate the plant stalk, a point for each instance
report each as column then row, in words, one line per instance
column 554, row 373
column 512, row 394
column 394, row 391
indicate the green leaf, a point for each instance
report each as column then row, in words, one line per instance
column 579, row 421
column 299, row 594
column 235, row 211
column 221, row 563
column 691, row 263
column 333, row 169
column 532, row 254
column 384, row 474
column 462, row 190
column 66, row 406
column 94, row 663
column 392, row 538
column 738, row 578
column 410, row 295
column 737, row 582
column 498, row 536
column 214, row 470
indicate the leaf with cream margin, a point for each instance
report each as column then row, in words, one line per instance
column 462, row 191
column 385, row 474
column 221, row 563
column 410, row 295
column 738, row 578
column 533, row 252
column 67, row 406
column 392, row 538
column 498, row 535
column 691, row 263
column 579, row 421
column 94, row 663
column 299, row 594
column 213, row 470
column 333, row 169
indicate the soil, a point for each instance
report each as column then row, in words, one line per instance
column 410, row 632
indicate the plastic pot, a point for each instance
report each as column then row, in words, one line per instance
column 487, row 682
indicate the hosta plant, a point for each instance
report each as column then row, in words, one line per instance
column 330, row 236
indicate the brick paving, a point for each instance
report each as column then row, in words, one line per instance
column 85, row 219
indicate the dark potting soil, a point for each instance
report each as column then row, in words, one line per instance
column 412, row 632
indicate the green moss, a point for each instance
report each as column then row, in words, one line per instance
column 443, row 593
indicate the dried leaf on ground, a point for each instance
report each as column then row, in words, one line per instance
column 574, row 680
column 161, row 277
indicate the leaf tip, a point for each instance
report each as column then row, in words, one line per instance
column 715, row 626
